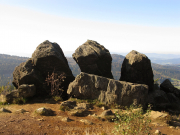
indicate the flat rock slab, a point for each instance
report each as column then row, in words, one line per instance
column 4, row 110
column 64, row 119
column 20, row 111
column 86, row 121
column 156, row 115
column 89, row 86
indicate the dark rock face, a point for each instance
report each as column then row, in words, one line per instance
column 136, row 68
column 27, row 90
column 49, row 57
column 93, row 58
column 88, row 86
column 27, row 73
column 24, row 91
column 167, row 86
column 46, row 59
column 8, row 97
column 160, row 100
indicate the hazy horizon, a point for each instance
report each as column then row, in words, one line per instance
column 150, row 55
column 151, row 26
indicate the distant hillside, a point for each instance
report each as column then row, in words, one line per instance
column 167, row 61
column 8, row 64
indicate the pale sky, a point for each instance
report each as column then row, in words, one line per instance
column 148, row 26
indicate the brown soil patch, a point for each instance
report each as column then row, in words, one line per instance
column 29, row 123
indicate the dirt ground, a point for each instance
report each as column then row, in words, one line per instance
column 29, row 123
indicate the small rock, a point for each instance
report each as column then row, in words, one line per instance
column 56, row 128
column 103, row 108
column 82, row 106
column 70, row 104
column 86, row 122
column 44, row 111
column 5, row 110
column 93, row 115
column 64, row 119
column 157, row 132
column 171, row 127
column 79, row 112
column 20, row 111
column 40, row 119
column 156, row 115
column 106, row 112
column 177, row 127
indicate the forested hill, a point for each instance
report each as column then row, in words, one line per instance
column 8, row 64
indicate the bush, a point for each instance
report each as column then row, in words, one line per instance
column 19, row 100
column 7, row 88
column 55, row 81
column 133, row 121
column 64, row 108
column 57, row 98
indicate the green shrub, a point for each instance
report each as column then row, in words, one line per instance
column 7, row 88
column 19, row 100
column 132, row 122
column 64, row 108
column 57, row 98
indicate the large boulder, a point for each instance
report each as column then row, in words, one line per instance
column 8, row 97
column 160, row 100
column 24, row 91
column 48, row 58
column 167, row 86
column 136, row 68
column 89, row 86
column 93, row 58
column 27, row 73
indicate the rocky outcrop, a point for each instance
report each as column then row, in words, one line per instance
column 24, row 91
column 88, row 86
column 160, row 100
column 49, row 57
column 27, row 73
column 93, row 58
column 136, row 68
column 46, row 59
column 167, row 86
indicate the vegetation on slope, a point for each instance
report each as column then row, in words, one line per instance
column 162, row 72
column 7, row 66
